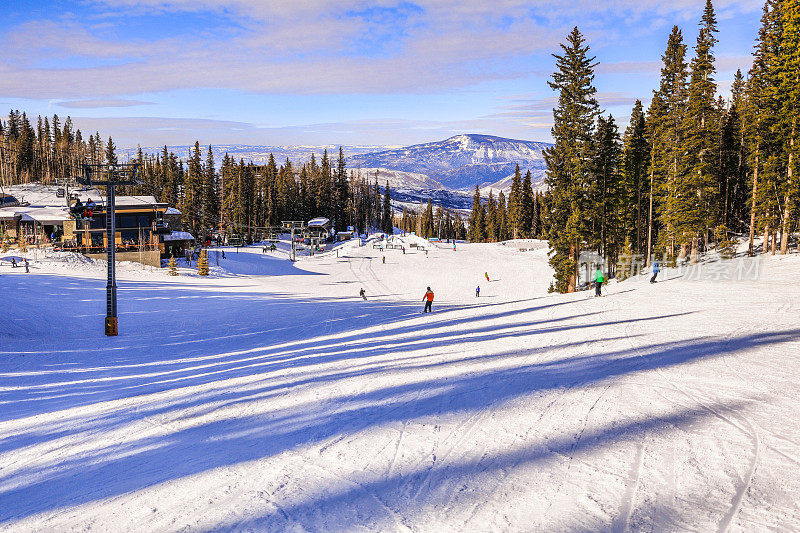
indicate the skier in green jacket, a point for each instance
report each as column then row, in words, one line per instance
column 599, row 278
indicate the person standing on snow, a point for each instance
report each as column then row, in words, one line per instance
column 486, row 275
column 599, row 278
column 656, row 270
column 477, row 291
column 363, row 294
column 428, row 299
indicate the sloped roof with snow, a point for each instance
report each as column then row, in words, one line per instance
column 179, row 236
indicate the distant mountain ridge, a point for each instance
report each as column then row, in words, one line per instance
column 257, row 154
column 444, row 171
column 462, row 161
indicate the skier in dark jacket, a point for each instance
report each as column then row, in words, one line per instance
column 363, row 294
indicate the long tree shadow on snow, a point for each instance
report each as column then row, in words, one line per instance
column 141, row 463
column 164, row 330
column 403, row 499
column 125, row 375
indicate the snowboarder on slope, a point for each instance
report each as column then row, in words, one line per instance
column 486, row 275
column 384, row 259
column 428, row 299
column 656, row 270
column 363, row 294
column 599, row 278
column 477, row 291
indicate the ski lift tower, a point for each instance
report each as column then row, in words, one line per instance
column 293, row 226
column 111, row 176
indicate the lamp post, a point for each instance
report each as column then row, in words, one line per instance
column 110, row 175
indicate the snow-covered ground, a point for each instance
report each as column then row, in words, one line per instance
column 270, row 396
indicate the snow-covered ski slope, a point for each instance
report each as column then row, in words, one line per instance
column 271, row 397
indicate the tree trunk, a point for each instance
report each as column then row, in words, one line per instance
column 787, row 214
column 785, row 225
column 767, row 232
column 574, row 275
column 695, row 254
column 750, row 250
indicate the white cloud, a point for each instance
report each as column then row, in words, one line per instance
column 309, row 46
column 157, row 131
column 93, row 104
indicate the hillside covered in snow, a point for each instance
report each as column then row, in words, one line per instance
column 271, row 397
column 463, row 161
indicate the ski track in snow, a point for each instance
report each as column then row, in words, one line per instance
column 274, row 398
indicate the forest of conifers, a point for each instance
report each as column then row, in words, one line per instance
column 691, row 172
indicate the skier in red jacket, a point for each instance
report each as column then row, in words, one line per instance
column 428, row 299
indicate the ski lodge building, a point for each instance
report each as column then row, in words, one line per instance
column 146, row 230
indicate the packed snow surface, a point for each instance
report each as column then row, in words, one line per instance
column 270, row 396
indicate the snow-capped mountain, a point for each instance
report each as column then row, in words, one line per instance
column 398, row 179
column 445, row 171
column 464, row 160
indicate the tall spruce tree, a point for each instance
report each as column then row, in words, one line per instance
column 696, row 188
column 568, row 160
column 636, row 183
column 762, row 124
column 386, row 217
column 477, row 219
column 210, row 192
column 526, row 207
column 790, row 107
column 515, row 204
column 665, row 129
column 606, row 192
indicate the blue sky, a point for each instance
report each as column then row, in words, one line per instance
column 379, row 72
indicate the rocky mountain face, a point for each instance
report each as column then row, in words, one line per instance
column 460, row 162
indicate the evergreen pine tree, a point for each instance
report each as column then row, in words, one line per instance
column 476, row 219
column 210, row 192
column 567, row 160
column 606, row 193
column 665, row 130
column 386, row 217
column 202, row 264
column 110, row 152
column 502, row 216
column 696, row 188
column 515, row 204
column 636, row 186
column 492, row 222
column 790, row 107
column 526, row 207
